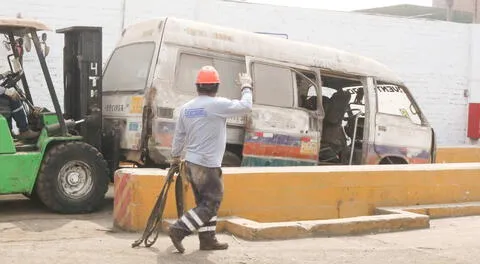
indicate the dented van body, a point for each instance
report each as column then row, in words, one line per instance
column 312, row 105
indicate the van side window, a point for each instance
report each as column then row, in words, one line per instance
column 392, row 99
column 229, row 70
column 188, row 68
column 306, row 91
column 273, row 85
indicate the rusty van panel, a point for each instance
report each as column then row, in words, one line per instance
column 396, row 137
column 280, row 137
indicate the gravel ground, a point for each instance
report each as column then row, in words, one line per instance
column 30, row 234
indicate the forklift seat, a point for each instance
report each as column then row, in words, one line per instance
column 333, row 136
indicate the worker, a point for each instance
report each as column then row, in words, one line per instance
column 18, row 113
column 201, row 131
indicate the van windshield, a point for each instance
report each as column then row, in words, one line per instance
column 128, row 67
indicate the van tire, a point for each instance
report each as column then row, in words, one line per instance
column 73, row 178
column 392, row 160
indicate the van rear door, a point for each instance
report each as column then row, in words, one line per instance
column 278, row 132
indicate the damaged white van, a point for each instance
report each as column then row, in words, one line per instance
column 312, row 105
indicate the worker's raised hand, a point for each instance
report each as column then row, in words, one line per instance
column 245, row 80
column 12, row 93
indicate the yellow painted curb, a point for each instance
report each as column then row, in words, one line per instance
column 444, row 210
column 387, row 219
column 458, row 154
column 304, row 193
column 390, row 221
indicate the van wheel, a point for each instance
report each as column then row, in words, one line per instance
column 73, row 178
column 231, row 159
column 392, row 160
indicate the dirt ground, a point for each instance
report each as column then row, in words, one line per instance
column 31, row 234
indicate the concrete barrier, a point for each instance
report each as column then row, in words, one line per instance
column 284, row 194
column 458, row 154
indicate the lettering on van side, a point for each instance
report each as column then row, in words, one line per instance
column 353, row 90
column 389, row 88
column 114, row 108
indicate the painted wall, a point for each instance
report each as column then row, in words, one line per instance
column 438, row 60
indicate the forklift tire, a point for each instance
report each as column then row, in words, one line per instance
column 73, row 178
column 33, row 196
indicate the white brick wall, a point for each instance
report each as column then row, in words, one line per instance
column 438, row 60
column 474, row 84
column 58, row 14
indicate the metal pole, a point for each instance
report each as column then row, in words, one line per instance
column 124, row 6
column 476, row 18
column 48, row 79
column 449, row 9
column 353, row 140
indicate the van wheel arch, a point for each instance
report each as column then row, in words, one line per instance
column 232, row 156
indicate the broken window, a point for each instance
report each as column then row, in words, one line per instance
column 339, row 97
column 306, row 90
column 392, row 99
column 228, row 69
column 341, row 94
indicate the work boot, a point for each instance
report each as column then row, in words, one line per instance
column 177, row 235
column 29, row 134
column 208, row 241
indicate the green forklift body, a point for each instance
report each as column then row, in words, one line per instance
column 6, row 141
column 19, row 168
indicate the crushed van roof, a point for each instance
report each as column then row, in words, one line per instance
column 206, row 36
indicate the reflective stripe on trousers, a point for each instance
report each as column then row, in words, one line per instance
column 207, row 187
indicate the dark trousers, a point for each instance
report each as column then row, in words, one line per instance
column 17, row 112
column 207, row 186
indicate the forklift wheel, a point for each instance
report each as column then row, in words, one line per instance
column 73, row 178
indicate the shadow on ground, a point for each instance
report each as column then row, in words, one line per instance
column 197, row 256
column 33, row 216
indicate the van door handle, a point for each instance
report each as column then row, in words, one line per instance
column 382, row 128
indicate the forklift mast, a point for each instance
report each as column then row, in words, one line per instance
column 82, row 71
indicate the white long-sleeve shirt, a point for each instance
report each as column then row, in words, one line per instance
column 202, row 127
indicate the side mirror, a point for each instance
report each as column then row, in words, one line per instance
column 27, row 43
column 44, row 37
column 16, row 65
column 45, row 50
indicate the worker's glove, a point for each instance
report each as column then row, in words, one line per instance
column 175, row 163
column 37, row 111
column 12, row 93
column 245, row 81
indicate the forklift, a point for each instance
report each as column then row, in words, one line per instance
column 63, row 167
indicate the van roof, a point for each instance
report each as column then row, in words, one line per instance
column 240, row 42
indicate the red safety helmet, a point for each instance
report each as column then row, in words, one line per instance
column 208, row 75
